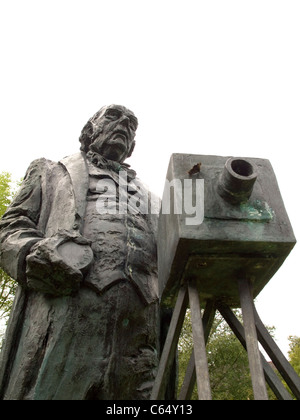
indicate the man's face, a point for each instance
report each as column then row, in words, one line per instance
column 115, row 132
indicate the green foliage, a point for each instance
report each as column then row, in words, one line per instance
column 5, row 192
column 7, row 293
column 228, row 364
column 7, row 285
column 294, row 353
column 227, row 361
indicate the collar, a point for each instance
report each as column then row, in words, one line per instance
column 103, row 163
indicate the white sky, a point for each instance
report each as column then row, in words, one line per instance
column 203, row 77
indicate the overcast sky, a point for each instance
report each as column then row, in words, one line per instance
column 203, row 77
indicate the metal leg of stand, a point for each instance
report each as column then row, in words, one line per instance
column 279, row 360
column 168, row 354
column 202, row 374
column 190, row 376
column 274, row 382
column 189, row 380
column 255, row 362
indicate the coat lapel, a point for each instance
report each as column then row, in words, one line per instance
column 77, row 168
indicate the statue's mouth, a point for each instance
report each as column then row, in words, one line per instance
column 120, row 134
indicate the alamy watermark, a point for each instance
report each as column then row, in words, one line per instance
column 181, row 197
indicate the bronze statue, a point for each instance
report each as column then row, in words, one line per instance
column 85, row 323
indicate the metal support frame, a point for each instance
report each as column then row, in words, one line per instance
column 248, row 334
column 202, row 374
column 169, row 350
column 255, row 362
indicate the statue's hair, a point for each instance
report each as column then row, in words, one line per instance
column 87, row 135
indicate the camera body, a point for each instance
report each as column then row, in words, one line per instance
column 245, row 232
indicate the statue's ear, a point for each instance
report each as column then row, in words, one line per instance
column 131, row 149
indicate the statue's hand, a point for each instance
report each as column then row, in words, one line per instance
column 48, row 271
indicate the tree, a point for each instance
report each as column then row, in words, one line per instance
column 7, row 284
column 228, row 364
column 227, row 361
column 294, row 353
column 7, row 292
column 5, row 192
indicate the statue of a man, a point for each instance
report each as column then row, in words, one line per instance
column 85, row 322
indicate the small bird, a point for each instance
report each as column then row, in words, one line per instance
column 195, row 169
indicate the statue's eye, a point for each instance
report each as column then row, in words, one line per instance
column 133, row 124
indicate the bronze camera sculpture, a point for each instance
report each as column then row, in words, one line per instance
column 221, row 257
column 245, row 232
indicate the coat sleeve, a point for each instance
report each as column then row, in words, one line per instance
column 18, row 226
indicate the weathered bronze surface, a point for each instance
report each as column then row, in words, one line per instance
column 85, row 322
column 245, row 234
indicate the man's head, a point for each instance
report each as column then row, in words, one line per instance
column 110, row 132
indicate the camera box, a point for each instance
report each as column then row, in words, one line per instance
column 241, row 231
